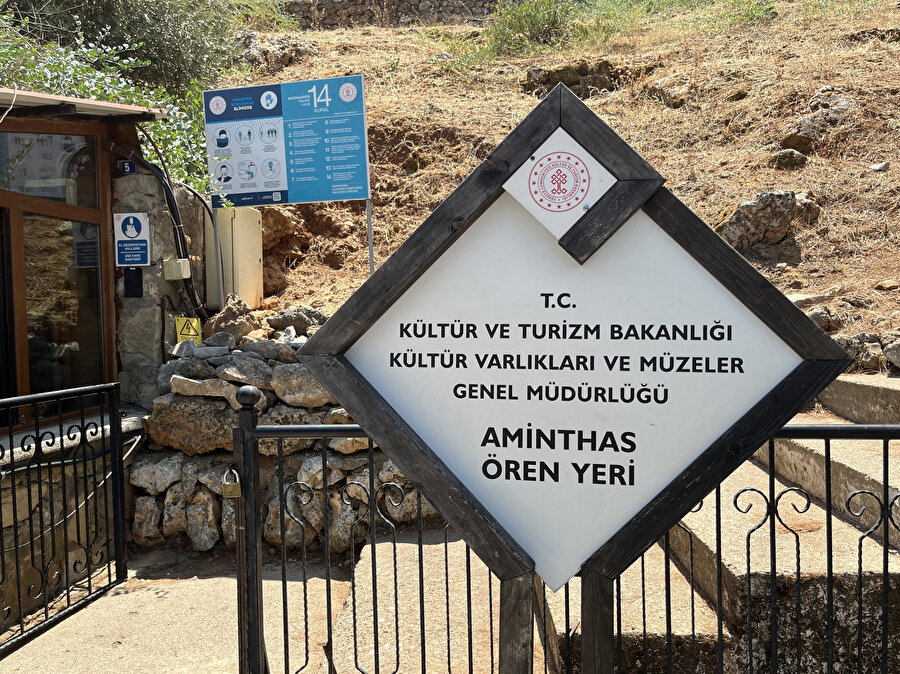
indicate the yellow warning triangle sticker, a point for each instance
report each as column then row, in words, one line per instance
column 188, row 328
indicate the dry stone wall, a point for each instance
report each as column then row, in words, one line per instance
column 342, row 13
column 177, row 481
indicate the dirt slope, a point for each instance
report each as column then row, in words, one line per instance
column 433, row 117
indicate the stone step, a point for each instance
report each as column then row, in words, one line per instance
column 643, row 626
column 856, row 465
column 746, row 591
column 864, row 398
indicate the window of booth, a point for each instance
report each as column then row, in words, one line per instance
column 55, row 257
column 57, row 166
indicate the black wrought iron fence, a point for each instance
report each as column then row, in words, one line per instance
column 790, row 565
column 62, row 507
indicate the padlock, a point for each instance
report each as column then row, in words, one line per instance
column 231, row 489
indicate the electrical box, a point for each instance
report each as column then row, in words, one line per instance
column 176, row 269
column 240, row 237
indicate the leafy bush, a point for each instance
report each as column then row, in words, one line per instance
column 83, row 70
column 177, row 41
column 521, row 27
column 88, row 70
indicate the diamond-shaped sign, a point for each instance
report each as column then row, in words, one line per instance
column 562, row 412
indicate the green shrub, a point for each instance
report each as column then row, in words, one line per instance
column 178, row 41
column 522, row 27
column 88, row 70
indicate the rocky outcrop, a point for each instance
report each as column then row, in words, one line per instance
column 766, row 219
column 583, row 79
column 829, row 107
column 271, row 53
column 673, row 90
column 788, row 159
column 340, row 13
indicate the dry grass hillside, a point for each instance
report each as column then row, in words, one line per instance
column 434, row 113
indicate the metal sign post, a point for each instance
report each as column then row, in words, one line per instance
column 565, row 360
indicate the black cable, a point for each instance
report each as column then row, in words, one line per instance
column 199, row 196
column 181, row 246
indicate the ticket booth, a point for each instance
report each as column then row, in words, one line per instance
column 56, row 240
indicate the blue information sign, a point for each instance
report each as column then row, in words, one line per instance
column 132, row 239
column 288, row 143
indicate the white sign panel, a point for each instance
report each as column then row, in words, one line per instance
column 584, row 388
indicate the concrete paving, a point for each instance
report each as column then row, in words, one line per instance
column 176, row 613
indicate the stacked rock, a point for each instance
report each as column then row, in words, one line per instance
column 179, row 477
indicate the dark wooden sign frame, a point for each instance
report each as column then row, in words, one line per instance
column 638, row 186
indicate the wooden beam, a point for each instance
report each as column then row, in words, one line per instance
column 604, row 144
column 516, row 624
column 597, row 627
column 605, row 217
column 546, row 629
column 750, row 287
column 439, row 231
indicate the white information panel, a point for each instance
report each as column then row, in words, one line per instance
column 584, row 389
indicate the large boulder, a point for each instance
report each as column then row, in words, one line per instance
column 191, row 367
column 145, row 527
column 213, row 388
column 235, row 318
column 300, row 317
column 829, row 108
column 202, row 515
column 345, row 531
column 764, row 219
column 297, row 532
column 265, row 348
column 284, row 415
column 156, row 472
column 296, row 385
column 174, row 521
column 193, row 425
column 247, row 370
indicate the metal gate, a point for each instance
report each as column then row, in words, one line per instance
column 790, row 565
column 62, row 520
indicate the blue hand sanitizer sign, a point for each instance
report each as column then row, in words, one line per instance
column 132, row 239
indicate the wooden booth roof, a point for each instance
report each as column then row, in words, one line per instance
column 29, row 103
